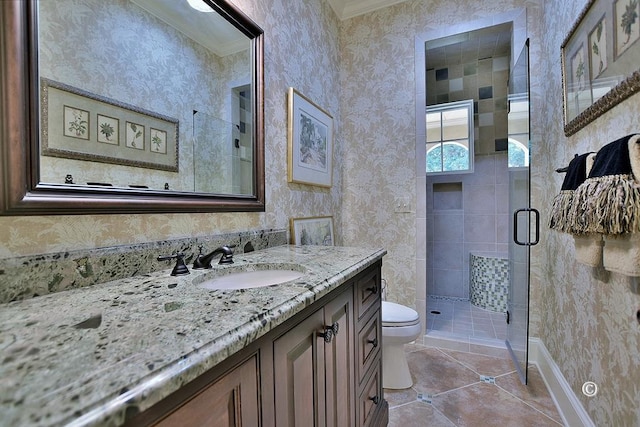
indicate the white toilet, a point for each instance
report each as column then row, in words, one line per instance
column 400, row 326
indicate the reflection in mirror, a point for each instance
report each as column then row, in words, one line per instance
column 171, row 71
column 112, row 89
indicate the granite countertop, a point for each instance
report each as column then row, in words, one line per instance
column 89, row 356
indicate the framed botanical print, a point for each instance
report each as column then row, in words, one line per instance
column 310, row 142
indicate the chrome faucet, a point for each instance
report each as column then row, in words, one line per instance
column 204, row 261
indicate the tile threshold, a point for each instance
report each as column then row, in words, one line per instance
column 488, row 347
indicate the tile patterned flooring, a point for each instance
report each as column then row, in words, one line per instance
column 453, row 388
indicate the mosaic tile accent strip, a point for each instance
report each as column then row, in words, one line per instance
column 487, row 379
column 426, row 398
column 489, row 282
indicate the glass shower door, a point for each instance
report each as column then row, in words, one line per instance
column 524, row 221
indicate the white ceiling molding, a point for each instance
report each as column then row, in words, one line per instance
column 346, row 9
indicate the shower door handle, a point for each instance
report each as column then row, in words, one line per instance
column 515, row 227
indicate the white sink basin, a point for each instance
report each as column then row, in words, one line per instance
column 258, row 277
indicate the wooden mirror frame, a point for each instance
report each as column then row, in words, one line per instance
column 21, row 193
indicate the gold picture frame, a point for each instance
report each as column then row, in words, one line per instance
column 599, row 70
column 315, row 230
column 310, row 142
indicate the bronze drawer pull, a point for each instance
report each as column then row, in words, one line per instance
column 375, row 400
column 335, row 328
column 374, row 342
column 373, row 289
column 327, row 334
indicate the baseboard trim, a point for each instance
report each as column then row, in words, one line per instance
column 570, row 407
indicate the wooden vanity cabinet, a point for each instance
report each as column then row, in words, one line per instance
column 313, row 368
column 320, row 368
column 233, row 400
column 372, row 409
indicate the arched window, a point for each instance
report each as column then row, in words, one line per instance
column 518, row 154
column 449, row 139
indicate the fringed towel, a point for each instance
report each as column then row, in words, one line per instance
column 589, row 249
column 577, row 172
column 608, row 202
column 622, row 254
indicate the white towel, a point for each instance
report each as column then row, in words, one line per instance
column 589, row 249
column 621, row 254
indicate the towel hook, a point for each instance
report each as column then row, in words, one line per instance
column 566, row 168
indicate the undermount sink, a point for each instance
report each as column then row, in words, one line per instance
column 250, row 276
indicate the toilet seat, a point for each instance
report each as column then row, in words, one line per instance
column 396, row 315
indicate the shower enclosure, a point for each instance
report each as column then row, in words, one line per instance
column 485, row 210
column 524, row 222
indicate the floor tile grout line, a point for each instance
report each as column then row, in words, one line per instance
column 456, row 389
column 527, row 403
column 469, row 367
column 407, row 403
column 435, row 409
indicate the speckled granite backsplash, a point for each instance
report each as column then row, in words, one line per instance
column 30, row 276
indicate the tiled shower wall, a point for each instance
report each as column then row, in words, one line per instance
column 465, row 213
column 468, row 212
column 486, row 82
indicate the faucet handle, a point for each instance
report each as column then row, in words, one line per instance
column 227, row 254
column 180, row 268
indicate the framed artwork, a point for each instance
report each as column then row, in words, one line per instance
column 310, row 142
column 599, row 61
column 158, row 141
column 80, row 125
column 135, row 136
column 108, row 130
column 598, row 48
column 76, row 122
column 626, row 24
column 316, row 230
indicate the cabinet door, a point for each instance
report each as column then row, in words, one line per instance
column 298, row 361
column 339, row 362
column 231, row 401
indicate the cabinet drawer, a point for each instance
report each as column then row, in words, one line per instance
column 368, row 290
column 369, row 344
column 370, row 397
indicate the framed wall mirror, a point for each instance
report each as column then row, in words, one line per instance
column 130, row 106
column 600, row 61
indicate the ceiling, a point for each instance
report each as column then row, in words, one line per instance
column 208, row 29
column 222, row 38
column 489, row 42
column 346, row 9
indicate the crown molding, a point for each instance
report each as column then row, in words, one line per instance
column 346, row 9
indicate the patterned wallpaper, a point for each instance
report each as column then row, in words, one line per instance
column 590, row 327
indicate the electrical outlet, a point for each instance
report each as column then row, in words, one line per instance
column 403, row 205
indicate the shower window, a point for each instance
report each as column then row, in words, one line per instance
column 450, row 137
